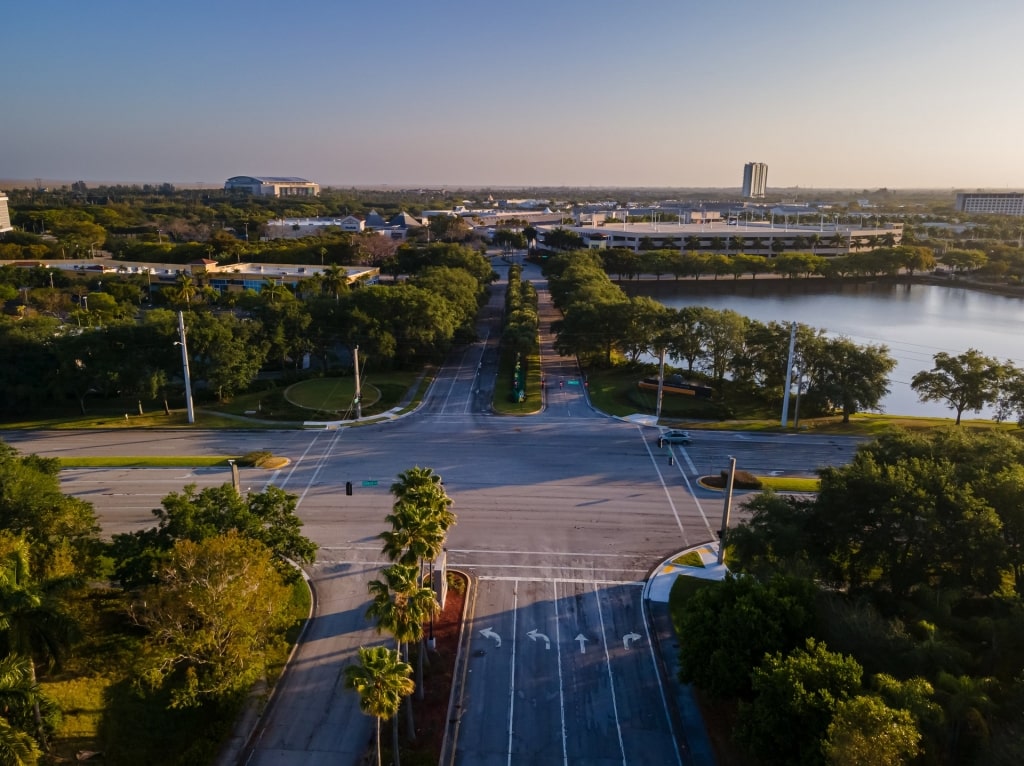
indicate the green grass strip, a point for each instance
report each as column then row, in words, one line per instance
column 789, row 483
column 145, row 462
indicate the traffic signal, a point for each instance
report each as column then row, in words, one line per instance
column 348, row 488
column 661, row 443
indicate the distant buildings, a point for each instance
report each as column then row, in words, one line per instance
column 755, row 180
column 5, row 215
column 1001, row 203
column 732, row 237
column 273, row 186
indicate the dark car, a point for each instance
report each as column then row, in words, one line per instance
column 675, row 436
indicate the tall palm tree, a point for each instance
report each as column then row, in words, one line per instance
column 420, row 520
column 273, row 290
column 186, row 290
column 382, row 680
column 400, row 606
column 335, row 278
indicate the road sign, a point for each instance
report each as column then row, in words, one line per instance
column 369, row 482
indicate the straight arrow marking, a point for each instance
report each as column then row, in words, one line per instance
column 582, row 639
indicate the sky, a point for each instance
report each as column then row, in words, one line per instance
column 582, row 93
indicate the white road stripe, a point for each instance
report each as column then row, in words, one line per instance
column 611, row 678
column 561, row 693
column 512, row 674
column 580, row 580
column 657, row 674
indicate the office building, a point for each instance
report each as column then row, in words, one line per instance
column 999, row 203
column 755, row 180
column 5, row 215
column 273, row 186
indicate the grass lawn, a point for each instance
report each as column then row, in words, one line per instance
column 615, row 391
column 144, row 462
column 502, row 402
column 330, row 394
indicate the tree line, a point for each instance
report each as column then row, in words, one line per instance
column 75, row 340
column 739, row 355
column 876, row 622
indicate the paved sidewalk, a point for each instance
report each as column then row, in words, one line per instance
column 698, row 744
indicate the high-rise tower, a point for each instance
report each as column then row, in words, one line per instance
column 755, row 179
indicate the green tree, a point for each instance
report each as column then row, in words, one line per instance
column 866, row 732
column 217, row 609
column 335, row 280
column 382, row 681
column 848, row 377
column 968, row 381
column 795, row 699
column 731, row 625
column 267, row 517
column 400, row 605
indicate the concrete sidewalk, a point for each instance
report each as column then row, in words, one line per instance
column 698, row 749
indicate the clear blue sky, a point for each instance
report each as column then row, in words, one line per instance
column 896, row 93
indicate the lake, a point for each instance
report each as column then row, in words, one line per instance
column 915, row 321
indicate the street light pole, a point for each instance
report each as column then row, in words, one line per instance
column 184, row 365
column 726, row 510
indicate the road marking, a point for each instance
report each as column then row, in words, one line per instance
column 630, row 638
column 534, row 635
column 657, row 675
column 611, row 678
column 539, row 553
column 549, row 566
column 582, row 640
column 489, row 633
column 512, row 672
column 578, row 580
column 561, row 692
column 664, row 487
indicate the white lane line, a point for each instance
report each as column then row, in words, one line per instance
column 696, row 501
column 582, row 580
column 685, row 454
column 295, row 466
column 538, row 553
column 319, row 467
column 488, row 565
column 561, row 693
column 657, row 674
column 664, row 487
column 512, row 685
column 611, row 678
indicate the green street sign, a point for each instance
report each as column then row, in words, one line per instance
column 369, row 482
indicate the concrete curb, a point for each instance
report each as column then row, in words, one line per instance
column 451, row 731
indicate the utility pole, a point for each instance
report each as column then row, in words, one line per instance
column 726, row 510
column 789, row 375
column 184, row 364
column 359, row 395
column 661, row 380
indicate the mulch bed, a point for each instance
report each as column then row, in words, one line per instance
column 431, row 713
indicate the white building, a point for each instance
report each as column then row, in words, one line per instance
column 1001, row 203
column 273, row 186
column 755, row 180
column 767, row 239
column 5, row 215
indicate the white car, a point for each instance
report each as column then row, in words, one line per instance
column 675, row 436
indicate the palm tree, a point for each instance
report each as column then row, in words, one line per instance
column 272, row 290
column 186, row 290
column 18, row 699
column 382, row 680
column 400, row 606
column 420, row 520
column 335, row 278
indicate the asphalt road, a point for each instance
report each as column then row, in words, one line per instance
column 561, row 516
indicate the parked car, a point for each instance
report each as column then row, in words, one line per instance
column 674, row 436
